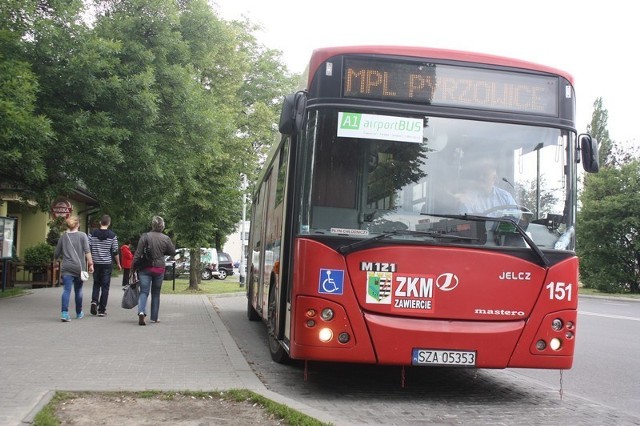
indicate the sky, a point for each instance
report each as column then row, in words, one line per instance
column 595, row 42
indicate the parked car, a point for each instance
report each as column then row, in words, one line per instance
column 169, row 264
column 208, row 263
column 225, row 266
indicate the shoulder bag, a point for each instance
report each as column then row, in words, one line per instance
column 145, row 259
column 84, row 275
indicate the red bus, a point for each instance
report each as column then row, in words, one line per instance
column 419, row 209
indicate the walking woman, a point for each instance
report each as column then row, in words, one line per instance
column 151, row 273
column 73, row 248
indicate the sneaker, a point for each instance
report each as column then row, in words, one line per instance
column 141, row 319
column 102, row 314
column 64, row 317
column 155, row 321
column 80, row 315
column 94, row 308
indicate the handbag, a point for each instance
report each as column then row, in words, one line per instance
column 131, row 293
column 145, row 258
column 84, row 275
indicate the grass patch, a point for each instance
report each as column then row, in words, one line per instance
column 47, row 416
column 595, row 292
column 11, row 292
column 289, row 416
column 212, row 286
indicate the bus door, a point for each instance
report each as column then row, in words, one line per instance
column 257, row 244
column 270, row 250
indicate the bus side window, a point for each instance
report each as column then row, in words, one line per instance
column 336, row 180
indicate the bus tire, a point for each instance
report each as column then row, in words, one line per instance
column 278, row 354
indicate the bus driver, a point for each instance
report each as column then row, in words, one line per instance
column 480, row 193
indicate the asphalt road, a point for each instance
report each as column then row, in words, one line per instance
column 364, row 395
column 606, row 367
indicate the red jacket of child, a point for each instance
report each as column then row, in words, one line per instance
column 126, row 257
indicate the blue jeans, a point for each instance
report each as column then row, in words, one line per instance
column 69, row 281
column 149, row 281
column 101, row 283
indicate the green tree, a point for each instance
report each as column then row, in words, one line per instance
column 157, row 107
column 608, row 229
column 25, row 134
column 611, row 153
column 598, row 129
column 607, row 222
column 249, row 81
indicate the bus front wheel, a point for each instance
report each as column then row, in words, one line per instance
column 278, row 354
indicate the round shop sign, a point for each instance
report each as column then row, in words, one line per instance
column 61, row 208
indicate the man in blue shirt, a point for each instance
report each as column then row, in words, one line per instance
column 104, row 248
column 480, row 194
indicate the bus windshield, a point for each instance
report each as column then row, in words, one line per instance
column 367, row 174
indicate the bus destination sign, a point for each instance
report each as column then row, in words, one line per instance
column 448, row 85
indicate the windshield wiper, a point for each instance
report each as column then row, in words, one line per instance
column 349, row 248
column 505, row 219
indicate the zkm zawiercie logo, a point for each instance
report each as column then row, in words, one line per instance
column 407, row 292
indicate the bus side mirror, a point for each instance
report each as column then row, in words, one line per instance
column 589, row 152
column 292, row 113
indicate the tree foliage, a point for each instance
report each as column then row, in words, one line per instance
column 608, row 229
column 609, row 219
column 611, row 153
column 598, row 129
column 155, row 106
column 25, row 134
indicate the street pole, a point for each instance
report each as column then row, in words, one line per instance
column 244, row 216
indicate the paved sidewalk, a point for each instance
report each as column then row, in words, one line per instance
column 189, row 349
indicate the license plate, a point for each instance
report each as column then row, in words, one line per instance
column 443, row 357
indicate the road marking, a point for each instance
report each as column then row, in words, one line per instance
column 608, row 316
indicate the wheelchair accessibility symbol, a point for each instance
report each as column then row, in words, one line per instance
column 331, row 281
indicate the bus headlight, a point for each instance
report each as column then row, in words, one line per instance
column 555, row 344
column 325, row 335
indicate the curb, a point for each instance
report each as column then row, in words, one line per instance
column 42, row 402
column 249, row 379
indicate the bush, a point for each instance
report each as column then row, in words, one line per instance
column 37, row 258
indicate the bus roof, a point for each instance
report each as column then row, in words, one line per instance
column 322, row 54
